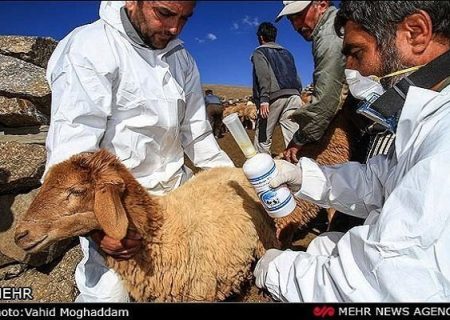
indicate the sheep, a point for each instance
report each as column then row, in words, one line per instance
column 247, row 113
column 250, row 115
column 201, row 240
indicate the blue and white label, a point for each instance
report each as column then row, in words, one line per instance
column 275, row 199
column 261, row 183
column 259, row 170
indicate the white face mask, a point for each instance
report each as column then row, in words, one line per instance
column 364, row 87
column 368, row 89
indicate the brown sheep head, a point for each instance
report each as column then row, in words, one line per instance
column 78, row 195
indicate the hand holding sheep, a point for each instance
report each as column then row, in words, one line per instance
column 119, row 249
column 262, row 267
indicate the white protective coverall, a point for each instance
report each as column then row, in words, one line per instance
column 402, row 252
column 146, row 106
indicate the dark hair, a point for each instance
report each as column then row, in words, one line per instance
column 380, row 18
column 208, row 91
column 267, row 31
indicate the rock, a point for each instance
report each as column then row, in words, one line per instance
column 5, row 260
column 21, row 166
column 20, row 79
column 12, row 271
column 51, row 283
column 12, row 209
column 27, row 135
column 36, row 50
column 17, row 112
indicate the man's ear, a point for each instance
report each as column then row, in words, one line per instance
column 323, row 6
column 130, row 6
column 416, row 30
column 260, row 40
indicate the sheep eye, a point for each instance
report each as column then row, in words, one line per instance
column 77, row 191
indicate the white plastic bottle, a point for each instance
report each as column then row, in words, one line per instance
column 260, row 169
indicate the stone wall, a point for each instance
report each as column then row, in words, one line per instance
column 25, row 99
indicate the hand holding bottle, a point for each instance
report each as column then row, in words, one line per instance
column 260, row 169
column 289, row 174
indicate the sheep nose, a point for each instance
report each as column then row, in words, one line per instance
column 20, row 235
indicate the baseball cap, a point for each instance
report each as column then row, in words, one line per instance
column 292, row 7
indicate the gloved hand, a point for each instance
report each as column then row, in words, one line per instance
column 289, row 174
column 262, row 266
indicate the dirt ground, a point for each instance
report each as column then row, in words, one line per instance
column 55, row 282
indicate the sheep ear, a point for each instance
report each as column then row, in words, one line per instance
column 109, row 210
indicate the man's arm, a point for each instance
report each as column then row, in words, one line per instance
column 315, row 117
column 352, row 188
column 399, row 256
column 197, row 139
column 81, row 103
column 262, row 73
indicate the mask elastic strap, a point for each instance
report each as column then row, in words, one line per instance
column 397, row 73
column 391, row 102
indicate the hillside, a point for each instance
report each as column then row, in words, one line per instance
column 229, row 92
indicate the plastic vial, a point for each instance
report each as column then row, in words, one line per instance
column 259, row 169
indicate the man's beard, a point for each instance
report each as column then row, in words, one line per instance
column 152, row 41
column 146, row 35
column 305, row 33
column 392, row 61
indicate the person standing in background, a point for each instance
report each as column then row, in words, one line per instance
column 314, row 21
column 276, row 88
column 214, row 110
column 330, row 106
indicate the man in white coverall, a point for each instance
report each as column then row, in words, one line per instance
column 402, row 252
column 127, row 84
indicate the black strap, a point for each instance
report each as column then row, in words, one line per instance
column 391, row 102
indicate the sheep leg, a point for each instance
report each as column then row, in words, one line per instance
column 286, row 226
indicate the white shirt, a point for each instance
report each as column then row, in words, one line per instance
column 146, row 106
column 402, row 252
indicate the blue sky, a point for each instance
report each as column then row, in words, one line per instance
column 220, row 35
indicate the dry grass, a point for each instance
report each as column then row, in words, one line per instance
column 229, row 92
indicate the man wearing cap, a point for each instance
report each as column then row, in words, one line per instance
column 314, row 21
